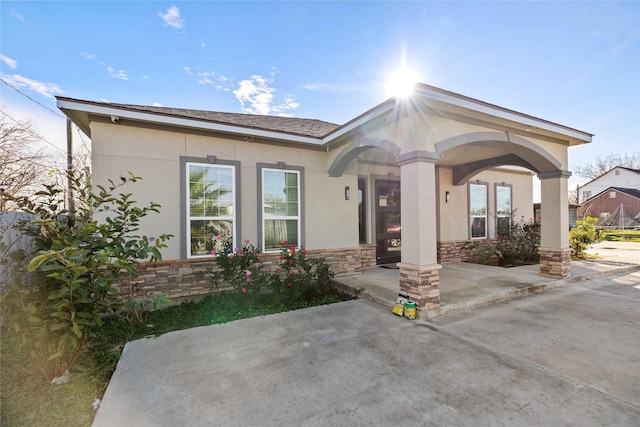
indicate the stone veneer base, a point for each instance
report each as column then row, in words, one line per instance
column 190, row 278
column 421, row 285
column 555, row 263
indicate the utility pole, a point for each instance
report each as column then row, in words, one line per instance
column 70, row 199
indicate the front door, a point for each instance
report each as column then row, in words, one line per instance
column 388, row 227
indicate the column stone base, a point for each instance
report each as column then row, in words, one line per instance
column 555, row 263
column 421, row 285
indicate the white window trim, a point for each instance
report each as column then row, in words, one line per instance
column 498, row 215
column 189, row 218
column 264, row 218
column 486, row 211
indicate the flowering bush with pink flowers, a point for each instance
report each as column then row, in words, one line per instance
column 239, row 267
column 297, row 281
column 300, row 279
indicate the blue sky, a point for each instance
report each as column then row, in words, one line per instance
column 573, row 63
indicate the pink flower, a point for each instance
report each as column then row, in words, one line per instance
column 290, row 262
column 244, row 290
column 246, row 242
column 289, row 284
column 277, row 269
column 305, row 252
column 283, row 243
column 219, row 236
column 230, row 256
column 213, row 252
column 292, row 271
column 248, row 280
column 228, row 231
column 247, row 272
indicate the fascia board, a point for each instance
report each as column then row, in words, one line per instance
column 357, row 122
column 184, row 122
column 510, row 115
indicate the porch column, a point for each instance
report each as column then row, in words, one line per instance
column 555, row 252
column 419, row 268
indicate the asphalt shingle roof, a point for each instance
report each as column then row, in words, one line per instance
column 633, row 192
column 292, row 125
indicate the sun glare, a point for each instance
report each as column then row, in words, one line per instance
column 401, row 82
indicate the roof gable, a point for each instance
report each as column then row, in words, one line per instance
column 632, row 192
column 637, row 171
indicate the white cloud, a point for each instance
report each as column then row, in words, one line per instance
column 120, row 74
column 11, row 63
column 48, row 90
column 172, row 17
column 87, row 55
column 157, row 104
column 330, row 87
column 17, row 15
column 256, row 96
column 208, row 78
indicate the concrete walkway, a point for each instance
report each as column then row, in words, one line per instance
column 464, row 285
column 566, row 357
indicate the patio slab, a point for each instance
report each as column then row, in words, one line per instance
column 464, row 286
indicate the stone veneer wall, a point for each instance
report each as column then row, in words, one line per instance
column 192, row 277
column 368, row 255
column 451, row 252
column 555, row 263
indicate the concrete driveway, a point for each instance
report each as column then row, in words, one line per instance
column 570, row 356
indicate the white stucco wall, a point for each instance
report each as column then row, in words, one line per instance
column 454, row 216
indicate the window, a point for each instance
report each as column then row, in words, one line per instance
column 281, row 208
column 478, row 210
column 503, row 209
column 210, row 207
column 612, row 194
column 586, row 195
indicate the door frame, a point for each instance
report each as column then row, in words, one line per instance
column 382, row 256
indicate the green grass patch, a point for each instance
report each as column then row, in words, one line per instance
column 621, row 235
column 27, row 399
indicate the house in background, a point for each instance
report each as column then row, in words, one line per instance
column 407, row 182
column 617, row 177
column 573, row 213
column 614, row 207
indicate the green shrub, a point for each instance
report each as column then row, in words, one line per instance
column 77, row 260
column 297, row 281
column 581, row 236
column 518, row 243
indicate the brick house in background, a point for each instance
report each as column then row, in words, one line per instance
column 614, row 207
column 619, row 176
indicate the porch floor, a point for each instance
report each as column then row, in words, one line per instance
column 464, row 285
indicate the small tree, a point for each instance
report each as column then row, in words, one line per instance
column 581, row 236
column 605, row 164
column 77, row 261
column 22, row 167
